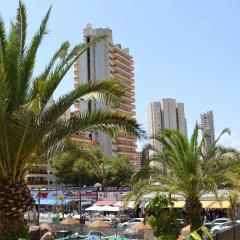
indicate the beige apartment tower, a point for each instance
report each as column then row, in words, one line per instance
column 166, row 114
column 207, row 123
column 105, row 60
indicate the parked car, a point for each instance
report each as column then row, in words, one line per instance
column 124, row 218
column 216, row 222
column 182, row 221
column 224, row 226
column 107, row 220
column 131, row 222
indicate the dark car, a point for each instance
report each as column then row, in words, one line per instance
column 124, row 218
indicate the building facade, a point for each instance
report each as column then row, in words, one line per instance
column 207, row 123
column 102, row 61
column 165, row 114
column 41, row 174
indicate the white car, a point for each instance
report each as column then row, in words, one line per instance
column 216, row 222
column 224, row 226
column 131, row 222
column 220, row 221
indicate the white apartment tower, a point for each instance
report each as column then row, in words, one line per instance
column 207, row 123
column 166, row 114
column 103, row 61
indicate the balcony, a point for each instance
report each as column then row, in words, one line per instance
column 82, row 137
column 125, row 136
column 129, row 97
column 38, row 171
column 118, row 143
column 75, row 65
column 123, row 74
column 131, row 113
column 121, row 59
column 35, row 182
column 127, row 151
column 76, row 85
column 121, row 53
column 122, row 78
column 125, row 67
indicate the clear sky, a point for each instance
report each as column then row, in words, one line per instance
column 188, row 50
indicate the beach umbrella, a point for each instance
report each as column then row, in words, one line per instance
column 181, row 238
column 186, row 230
column 94, row 208
column 142, row 226
column 45, row 226
column 98, row 224
column 47, row 236
column 69, row 221
column 110, row 209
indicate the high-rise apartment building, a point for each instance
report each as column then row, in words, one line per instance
column 166, row 114
column 105, row 60
column 41, row 174
column 207, row 123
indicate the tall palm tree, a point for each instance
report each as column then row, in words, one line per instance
column 187, row 169
column 30, row 129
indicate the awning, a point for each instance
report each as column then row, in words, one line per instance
column 104, row 203
column 206, row 204
column 179, row 204
column 110, row 209
column 51, row 201
column 94, row 208
column 216, row 204
column 130, row 205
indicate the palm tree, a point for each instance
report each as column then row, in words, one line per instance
column 30, row 130
column 187, row 169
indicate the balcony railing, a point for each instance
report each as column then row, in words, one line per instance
column 126, row 144
column 35, row 182
column 36, row 171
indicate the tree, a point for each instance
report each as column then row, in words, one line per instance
column 233, row 197
column 30, row 128
column 163, row 221
column 84, row 162
column 115, row 171
column 93, row 167
column 186, row 168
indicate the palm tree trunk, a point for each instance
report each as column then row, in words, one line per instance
column 15, row 200
column 194, row 213
column 13, row 228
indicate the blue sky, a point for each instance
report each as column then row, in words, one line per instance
column 188, row 50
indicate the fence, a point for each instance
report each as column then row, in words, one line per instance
column 230, row 234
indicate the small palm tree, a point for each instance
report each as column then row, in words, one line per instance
column 184, row 168
column 30, row 129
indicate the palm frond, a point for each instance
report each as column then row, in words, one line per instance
column 106, row 91
column 28, row 62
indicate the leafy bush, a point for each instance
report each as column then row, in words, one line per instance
column 18, row 234
column 164, row 221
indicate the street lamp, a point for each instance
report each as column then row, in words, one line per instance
column 38, row 220
column 48, row 180
column 80, row 197
column 80, row 192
